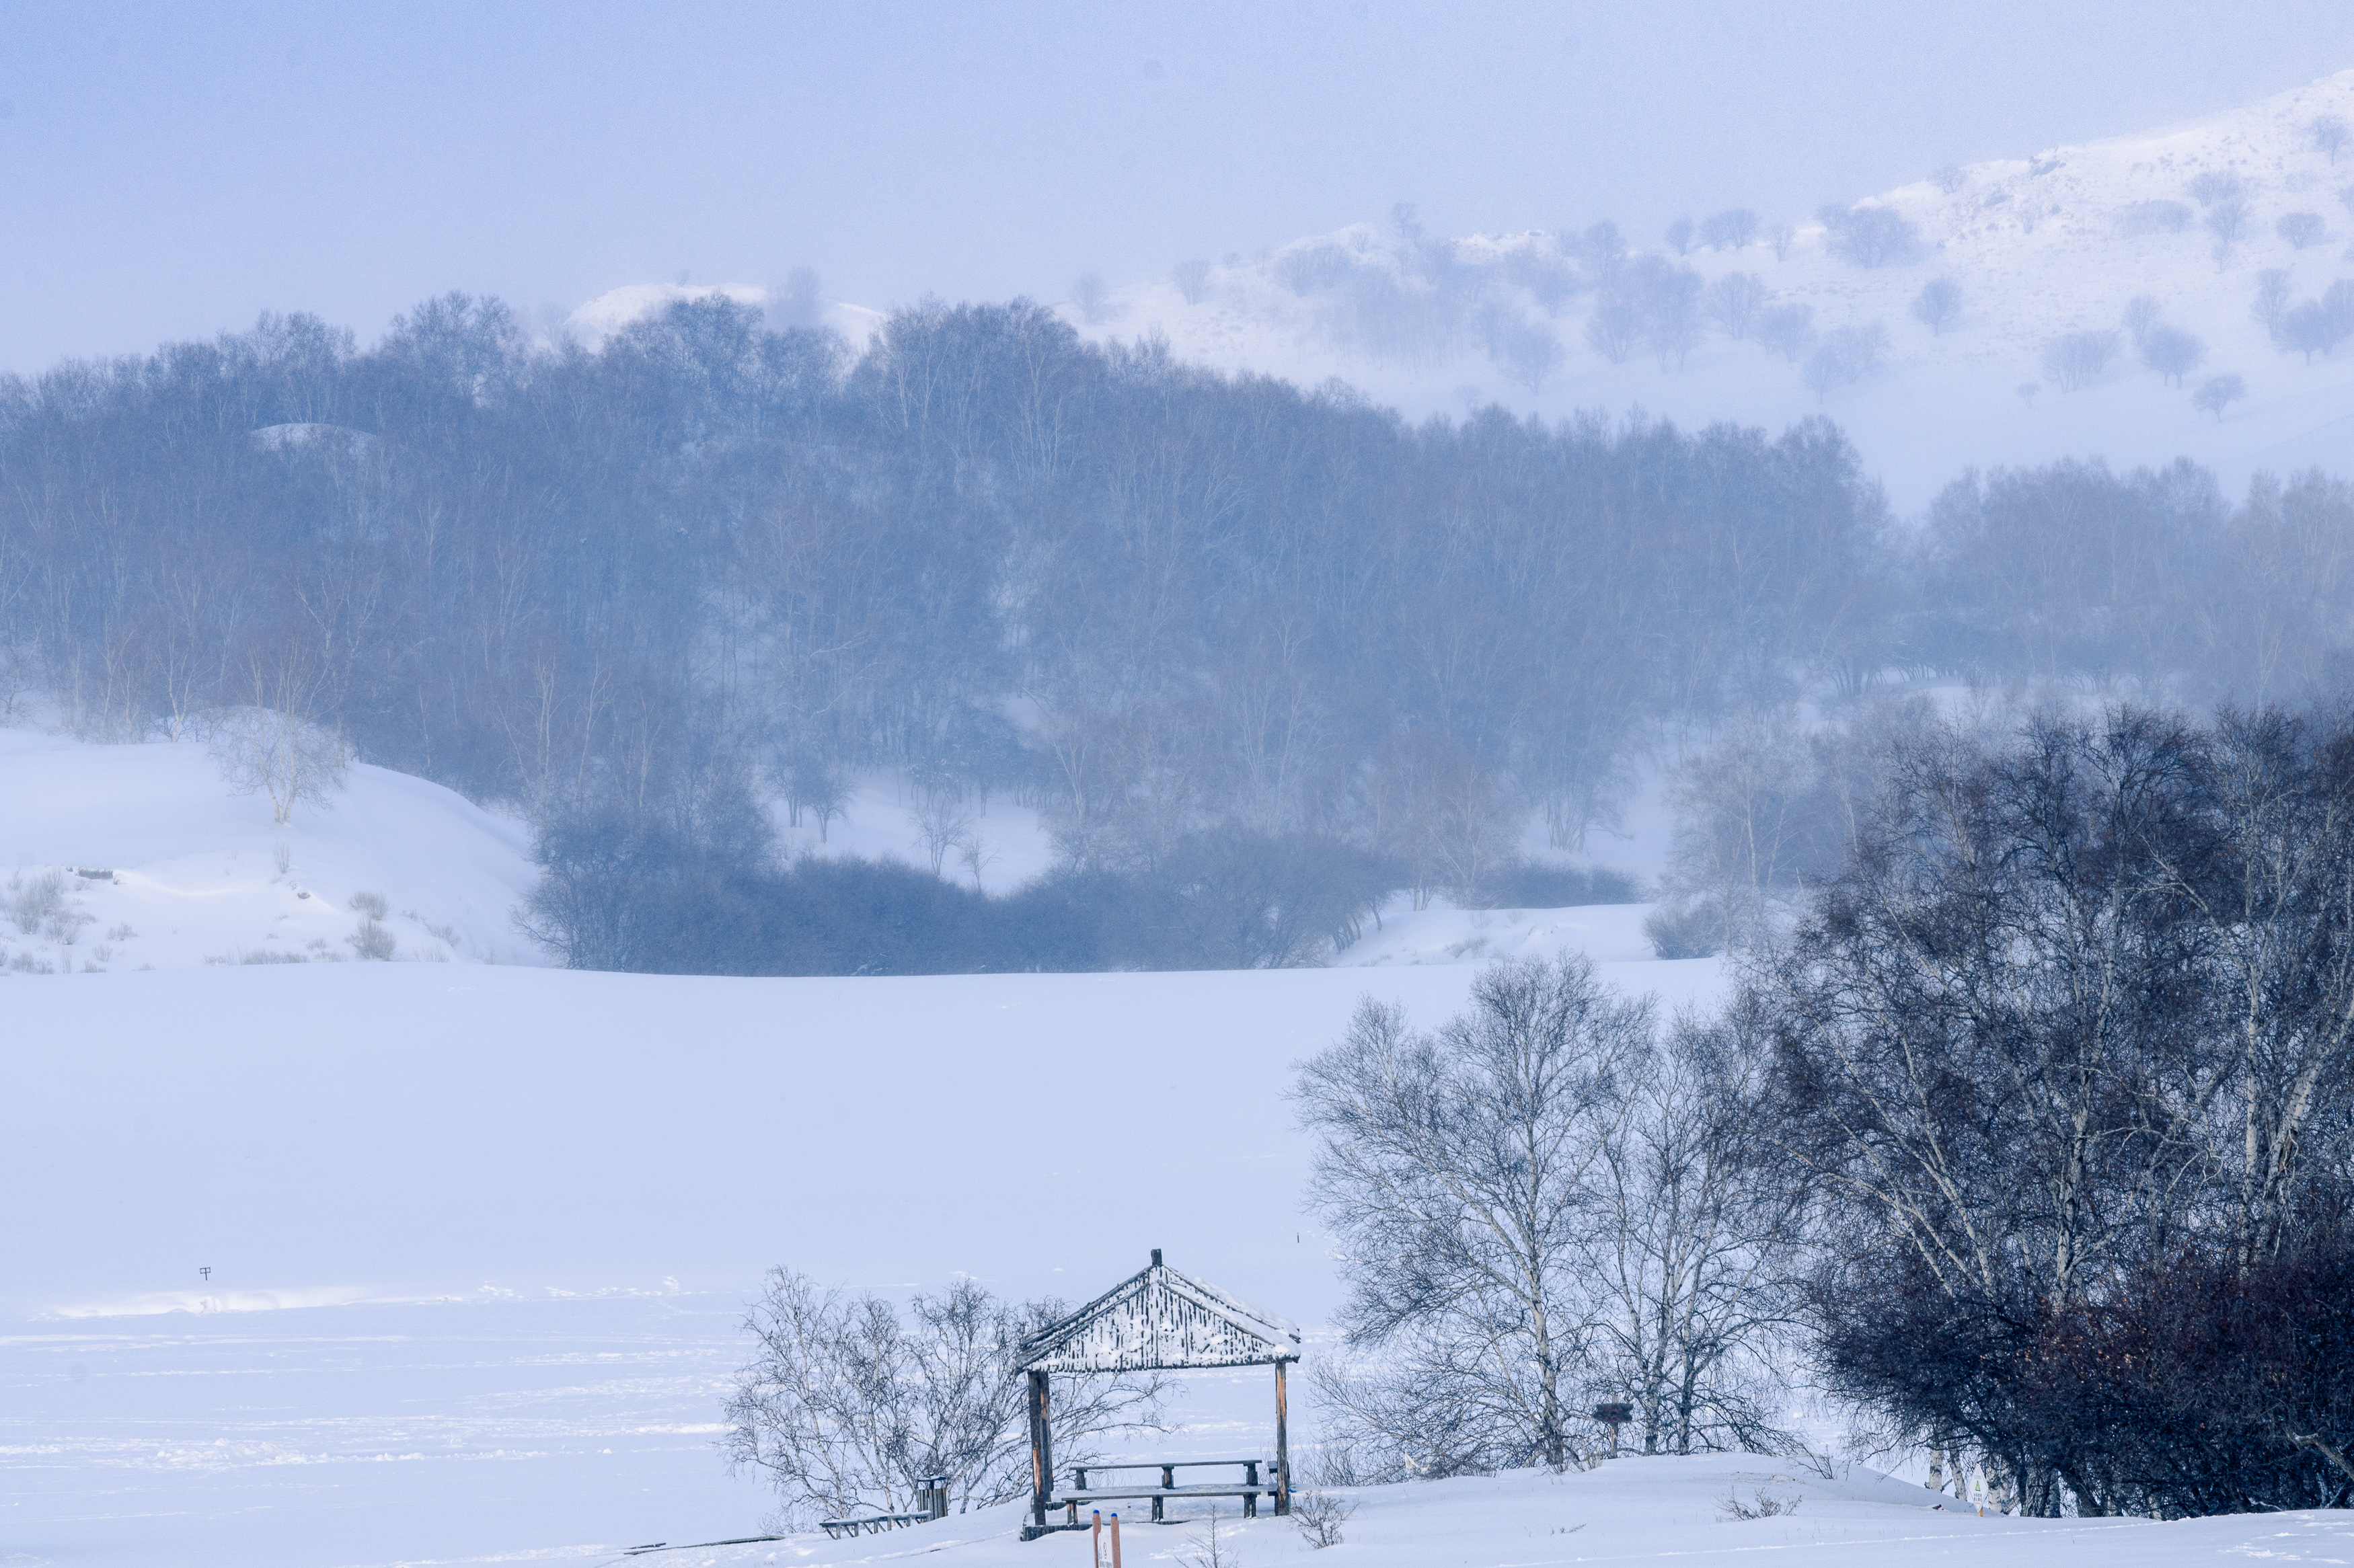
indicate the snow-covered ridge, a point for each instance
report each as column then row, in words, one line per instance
column 2040, row 245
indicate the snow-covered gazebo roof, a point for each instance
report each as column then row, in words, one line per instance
column 1159, row 1320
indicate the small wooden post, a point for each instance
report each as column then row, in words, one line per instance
column 1115, row 1541
column 1042, row 1451
column 1282, row 1446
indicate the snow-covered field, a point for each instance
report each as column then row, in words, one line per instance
column 359, row 1263
column 480, row 1235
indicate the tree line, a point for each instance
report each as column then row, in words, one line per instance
column 708, row 570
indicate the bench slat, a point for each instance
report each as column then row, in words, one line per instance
column 1173, row 1464
column 1096, row 1494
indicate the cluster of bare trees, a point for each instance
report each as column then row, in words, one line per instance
column 2072, row 571
column 2309, row 326
column 1547, row 1202
column 849, row 1401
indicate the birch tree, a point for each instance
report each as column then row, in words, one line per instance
column 1458, row 1168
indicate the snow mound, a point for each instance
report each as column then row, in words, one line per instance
column 1606, row 933
column 129, row 857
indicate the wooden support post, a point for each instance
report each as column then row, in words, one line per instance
column 1282, row 1446
column 1042, row 1451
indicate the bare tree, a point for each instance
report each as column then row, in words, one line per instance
column 1729, row 230
column 1457, row 1169
column 1695, row 1248
column 1937, row 305
column 845, row 1404
column 944, row 822
column 273, row 750
column 1212, row 1548
column 1781, row 236
column 1869, row 236
column 2141, row 317
column 2077, row 359
column 1093, row 296
column 1786, row 330
column 1448, row 818
column 1614, row 329
column 2301, row 229
column 2058, row 1042
column 1752, row 820
column 2328, row 134
column 1526, row 351
column 1844, row 357
column 1734, row 302
column 2308, row 328
column 2217, row 393
column 1319, row 1511
column 2210, row 187
column 1679, row 236
column 2172, row 353
column 2271, row 298
column 2227, row 221
column 1193, row 280
column 1950, row 179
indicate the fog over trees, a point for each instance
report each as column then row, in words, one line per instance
column 1206, row 624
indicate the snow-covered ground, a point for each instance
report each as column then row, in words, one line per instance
column 479, row 1236
column 1632, row 1510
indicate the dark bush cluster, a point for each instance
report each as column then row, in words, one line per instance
column 629, row 895
column 2068, row 1044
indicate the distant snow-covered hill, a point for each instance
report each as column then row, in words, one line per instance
column 2039, row 246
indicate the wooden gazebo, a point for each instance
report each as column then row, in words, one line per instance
column 1155, row 1320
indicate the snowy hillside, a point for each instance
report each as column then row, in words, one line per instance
column 2039, row 247
column 2040, row 244
column 129, row 857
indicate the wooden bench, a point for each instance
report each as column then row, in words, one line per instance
column 1250, row 1488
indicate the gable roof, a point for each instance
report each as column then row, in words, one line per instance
column 1160, row 1319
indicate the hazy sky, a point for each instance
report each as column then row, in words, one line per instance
column 171, row 169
